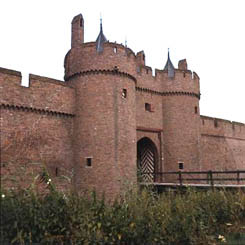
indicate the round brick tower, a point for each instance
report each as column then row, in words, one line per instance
column 181, row 118
column 105, row 120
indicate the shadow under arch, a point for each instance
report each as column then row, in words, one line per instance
column 147, row 160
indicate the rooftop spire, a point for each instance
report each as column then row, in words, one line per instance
column 169, row 66
column 101, row 39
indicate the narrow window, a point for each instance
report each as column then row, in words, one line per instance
column 183, row 74
column 215, row 123
column 147, row 107
column 143, row 57
column 124, row 93
column 181, row 165
column 196, row 110
column 115, row 50
column 56, row 171
column 88, row 162
column 81, row 22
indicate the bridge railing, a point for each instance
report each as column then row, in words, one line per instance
column 210, row 177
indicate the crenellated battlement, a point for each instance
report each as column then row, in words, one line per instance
column 42, row 94
column 185, row 81
column 10, row 72
column 222, row 128
column 85, row 57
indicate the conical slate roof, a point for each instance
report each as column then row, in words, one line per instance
column 101, row 39
column 169, row 67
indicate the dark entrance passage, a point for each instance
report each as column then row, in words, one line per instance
column 146, row 160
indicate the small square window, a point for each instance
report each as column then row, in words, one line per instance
column 89, row 162
column 124, row 93
column 196, row 110
column 147, row 107
column 181, row 165
column 215, row 123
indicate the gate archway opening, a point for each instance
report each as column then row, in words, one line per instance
column 146, row 160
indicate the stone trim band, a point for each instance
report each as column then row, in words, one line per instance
column 153, row 130
column 146, row 90
column 35, row 110
column 105, row 72
column 222, row 136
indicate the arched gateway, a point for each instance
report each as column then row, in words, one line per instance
column 146, row 160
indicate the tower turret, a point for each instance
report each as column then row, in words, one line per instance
column 105, row 121
column 181, row 118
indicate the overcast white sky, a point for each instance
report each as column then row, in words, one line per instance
column 210, row 34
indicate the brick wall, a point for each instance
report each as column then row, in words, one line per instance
column 36, row 128
column 43, row 93
column 222, row 144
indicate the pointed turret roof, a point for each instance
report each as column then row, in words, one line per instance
column 101, row 39
column 169, row 67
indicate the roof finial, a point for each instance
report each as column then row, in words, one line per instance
column 100, row 21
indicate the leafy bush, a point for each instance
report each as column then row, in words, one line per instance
column 137, row 217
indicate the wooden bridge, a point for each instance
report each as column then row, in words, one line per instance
column 161, row 181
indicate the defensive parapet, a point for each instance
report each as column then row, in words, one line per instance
column 44, row 95
column 223, row 144
column 184, row 81
column 115, row 57
column 222, row 128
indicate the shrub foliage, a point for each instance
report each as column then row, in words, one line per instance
column 136, row 217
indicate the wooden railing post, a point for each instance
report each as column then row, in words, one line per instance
column 238, row 177
column 211, row 178
column 180, row 178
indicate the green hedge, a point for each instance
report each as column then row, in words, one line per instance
column 137, row 217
